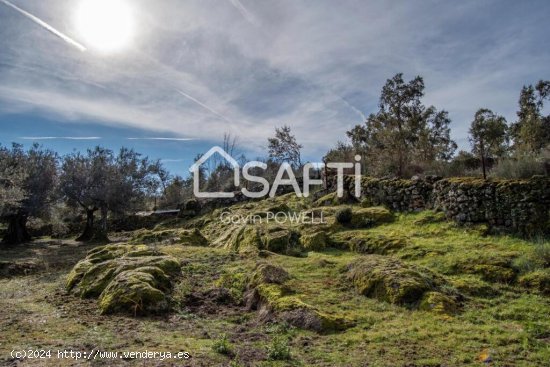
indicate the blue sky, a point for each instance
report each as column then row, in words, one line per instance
column 198, row 69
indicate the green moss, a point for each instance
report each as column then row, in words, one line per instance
column 366, row 242
column 495, row 273
column 472, row 285
column 327, row 200
column 538, row 280
column 236, row 281
column 298, row 313
column 393, row 281
column 282, row 241
column 315, row 241
column 192, row 237
column 439, row 303
column 128, row 278
column 152, row 236
column 268, row 273
column 135, row 292
column 368, row 217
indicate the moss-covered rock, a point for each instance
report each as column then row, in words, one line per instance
column 281, row 301
column 390, row 280
column 236, row 282
column 439, row 303
column 316, row 241
column 136, row 292
column 538, row 280
column 192, row 237
column 282, row 241
column 126, row 278
column 495, row 273
column 268, row 274
column 490, row 267
column 154, row 236
column 472, row 285
column 368, row 217
column 328, row 200
column 368, row 243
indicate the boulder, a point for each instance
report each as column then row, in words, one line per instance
column 316, row 241
column 126, row 278
column 390, row 280
column 192, row 237
column 269, row 274
column 368, row 217
column 365, row 242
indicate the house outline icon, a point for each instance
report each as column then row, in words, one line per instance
column 195, row 168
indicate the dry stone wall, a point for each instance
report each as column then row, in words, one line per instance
column 520, row 206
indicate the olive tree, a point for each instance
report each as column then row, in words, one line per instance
column 27, row 188
column 104, row 182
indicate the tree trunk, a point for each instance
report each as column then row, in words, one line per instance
column 88, row 233
column 483, row 167
column 17, row 230
column 91, row 231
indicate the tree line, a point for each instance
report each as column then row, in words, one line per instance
column 403, row 138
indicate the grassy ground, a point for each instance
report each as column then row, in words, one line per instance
column 500, row 321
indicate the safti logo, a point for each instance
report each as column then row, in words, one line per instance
column 279, row 180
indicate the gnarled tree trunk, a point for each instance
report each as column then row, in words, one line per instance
column 91, row 231
column 17, row 230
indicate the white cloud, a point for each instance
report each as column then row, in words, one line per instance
column 202, row 68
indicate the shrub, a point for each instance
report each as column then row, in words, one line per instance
column 279, row 349
column 222, row 345
column 522, row 167
column 344, row 216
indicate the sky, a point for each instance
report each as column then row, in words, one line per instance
column 193, row 70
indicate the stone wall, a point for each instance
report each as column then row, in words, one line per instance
column 520, row 206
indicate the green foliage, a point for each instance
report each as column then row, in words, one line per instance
column 284, row 147
column 279, row 350
column 488, row 135
column 403, row 131
column 344, row 216
column 518, row 167
column 222, row 345
column 531, row 133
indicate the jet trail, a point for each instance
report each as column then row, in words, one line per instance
column 244, row 12
column 203, row 105
column 45, row 25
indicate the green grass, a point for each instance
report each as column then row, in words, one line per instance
column 498, row 316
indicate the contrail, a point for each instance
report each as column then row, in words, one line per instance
column 203, row 105
column 353, row 108
column 244, row 12
column 46, row 26
column 59, row 137
column 167, row 139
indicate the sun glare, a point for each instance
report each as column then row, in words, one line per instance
column 105, row 25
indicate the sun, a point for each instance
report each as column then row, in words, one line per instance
column 105, row 25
